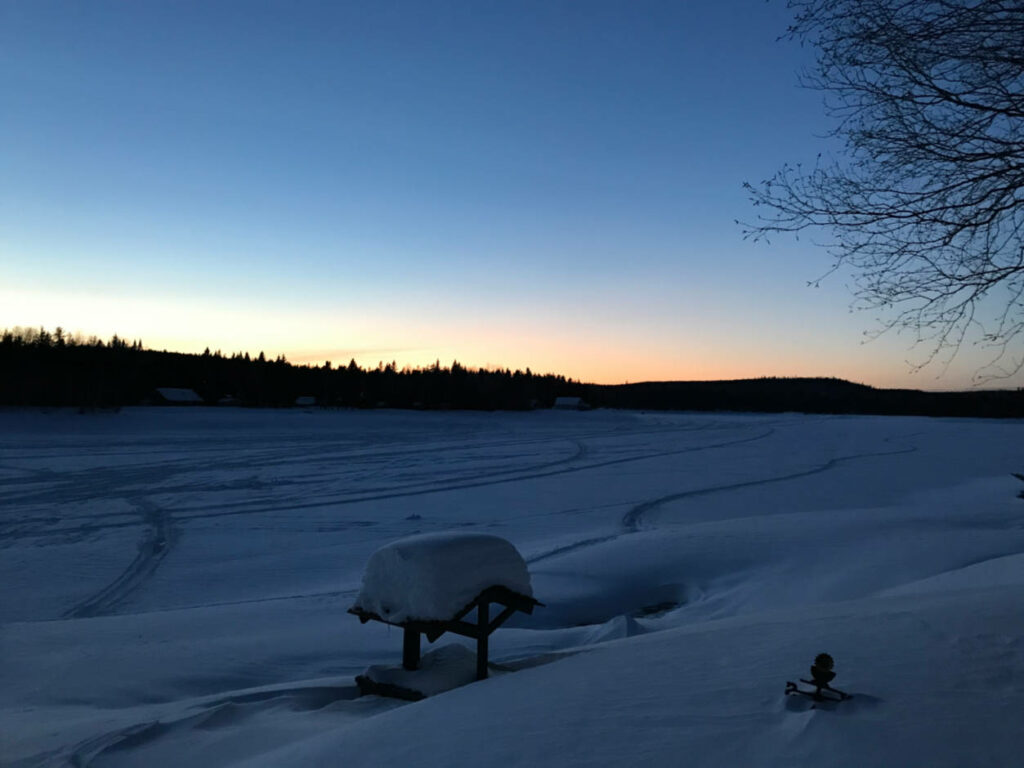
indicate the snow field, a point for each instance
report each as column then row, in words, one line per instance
column 176, row 585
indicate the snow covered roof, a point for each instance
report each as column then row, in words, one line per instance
column 178, row 395
column 431, row 577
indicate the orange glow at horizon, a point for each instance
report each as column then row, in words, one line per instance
column 586, row 354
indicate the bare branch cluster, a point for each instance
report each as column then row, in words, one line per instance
column 927, row 204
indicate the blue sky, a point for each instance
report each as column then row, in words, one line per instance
column 543, row 184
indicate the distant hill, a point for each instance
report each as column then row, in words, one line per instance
column 805, row 395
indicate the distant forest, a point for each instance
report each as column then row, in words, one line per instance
column 53, row 369
column 43, row 368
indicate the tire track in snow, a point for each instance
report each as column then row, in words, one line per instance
column 152, row 550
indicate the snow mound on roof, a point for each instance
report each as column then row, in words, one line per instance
column 431, row 577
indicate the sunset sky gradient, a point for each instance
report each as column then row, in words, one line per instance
column 551, row 185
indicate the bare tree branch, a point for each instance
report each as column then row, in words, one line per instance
column 926, row 207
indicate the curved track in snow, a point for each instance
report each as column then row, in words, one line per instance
column 549, row 469
column 633, row 519
column 213, row 714
column 152, row 550
column 183, row 514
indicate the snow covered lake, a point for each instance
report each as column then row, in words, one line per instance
column 175, row 586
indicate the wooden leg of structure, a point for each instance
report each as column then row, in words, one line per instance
column 411, row 649
column 482, row 622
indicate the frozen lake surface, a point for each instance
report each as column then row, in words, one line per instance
column 175, row 587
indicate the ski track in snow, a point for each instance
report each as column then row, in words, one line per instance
column 98, row 485
column 88, row 485
column 158, row 541
column 486, row 480
column 255, row 600
column 219, row 712
column 632, row 521
column 16, row 529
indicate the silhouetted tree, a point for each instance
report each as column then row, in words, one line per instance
column 927, row 207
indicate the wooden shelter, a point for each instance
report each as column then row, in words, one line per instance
column 480, row 630
column 429, row 584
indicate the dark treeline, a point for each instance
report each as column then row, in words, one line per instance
column 43, row 368
column 817, row 395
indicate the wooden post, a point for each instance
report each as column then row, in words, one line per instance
column 482, row 622
column 411, row 649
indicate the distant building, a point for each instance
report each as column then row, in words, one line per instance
column 305, row 401
column 570, row 404
column 175, row 396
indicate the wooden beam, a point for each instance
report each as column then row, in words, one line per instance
column 464, row 611
column 481, row 640
column 506, row 596
column 434, row 629
column 433, row 632
column 465, row 629
column 411, row 649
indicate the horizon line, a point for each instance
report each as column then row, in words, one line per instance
column 31, row 335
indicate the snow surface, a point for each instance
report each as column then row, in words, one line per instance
column 175, row 585
column 431, row 577
column 439, row 670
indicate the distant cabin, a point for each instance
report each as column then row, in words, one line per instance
column 305, row 401
column 175, row 396
column 570, row 404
